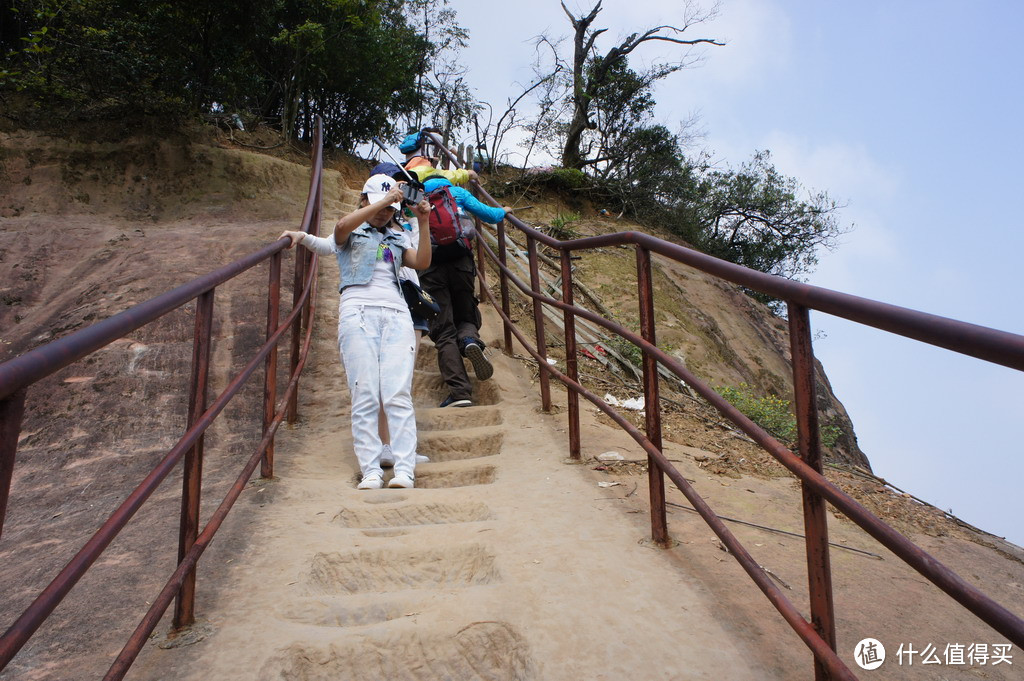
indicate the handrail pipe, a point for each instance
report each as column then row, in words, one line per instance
column 819, row 633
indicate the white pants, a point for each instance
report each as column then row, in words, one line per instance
column 378, row 351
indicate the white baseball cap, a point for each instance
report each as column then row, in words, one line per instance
column 377, row 186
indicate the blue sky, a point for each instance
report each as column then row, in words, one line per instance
column 912, row 114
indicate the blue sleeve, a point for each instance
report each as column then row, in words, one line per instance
column 467, row 201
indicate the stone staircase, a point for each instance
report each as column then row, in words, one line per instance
column 504, row 563
column 376, row 591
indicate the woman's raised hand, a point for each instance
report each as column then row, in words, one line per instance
column 422, row 210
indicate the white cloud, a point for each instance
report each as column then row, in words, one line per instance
column 870, row 247
column 758, row 36
column 841, row 168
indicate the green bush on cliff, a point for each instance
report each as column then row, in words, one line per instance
column 773, row 414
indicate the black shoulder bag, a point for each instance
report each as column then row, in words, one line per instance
column 421, row 303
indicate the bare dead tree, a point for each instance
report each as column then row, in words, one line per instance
column 587, row 81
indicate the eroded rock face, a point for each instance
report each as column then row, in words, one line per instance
column 87, row 230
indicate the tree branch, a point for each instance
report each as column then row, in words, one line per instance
column 585, row 20
column 697, row 41
column 598, row 160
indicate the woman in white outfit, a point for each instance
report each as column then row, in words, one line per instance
column 410, row 224
column 376, row 338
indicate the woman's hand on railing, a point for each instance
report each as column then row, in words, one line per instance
column 293, row 237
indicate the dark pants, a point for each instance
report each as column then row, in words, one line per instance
column 452, row 285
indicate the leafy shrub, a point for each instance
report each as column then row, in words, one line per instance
column 772, row 413
column 560, row 228
column 630, row 352
column 568, row 178
column 558, row 179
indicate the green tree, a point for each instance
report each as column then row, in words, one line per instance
column 115, row 54
column 622, row 105
column 755, row 217
column 354, row 65
column 444, row 98
column 649, row 177
column 351, row 61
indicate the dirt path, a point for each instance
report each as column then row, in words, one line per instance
column 500, row 565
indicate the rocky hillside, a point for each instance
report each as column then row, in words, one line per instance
column 90, row 226
column 93, row 224
column 141, row 213
column 725, row 337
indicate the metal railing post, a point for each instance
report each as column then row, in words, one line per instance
column 652, row 398
column 819, row 570
column 270, row 373
column 538, row 321
column 296, row 331
column 503, row 285
column 571, row 362
column 303, row 262
column 192, row 465
column 12, row 411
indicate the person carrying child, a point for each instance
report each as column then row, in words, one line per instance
column 418, row 160
column 450, row 279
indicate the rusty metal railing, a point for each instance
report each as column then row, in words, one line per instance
column 819, row 633
column 18, row 375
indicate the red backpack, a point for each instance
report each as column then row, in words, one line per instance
column 448, row 233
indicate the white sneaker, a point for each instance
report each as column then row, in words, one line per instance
column 403, row 481
column 371, row 482
column 387, row 457
column 389, row 462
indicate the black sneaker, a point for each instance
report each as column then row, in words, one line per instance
column 452, row 402
column 475, row 353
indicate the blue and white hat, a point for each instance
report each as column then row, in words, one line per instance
column 378, row 186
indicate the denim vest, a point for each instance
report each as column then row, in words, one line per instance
column 357, row 257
